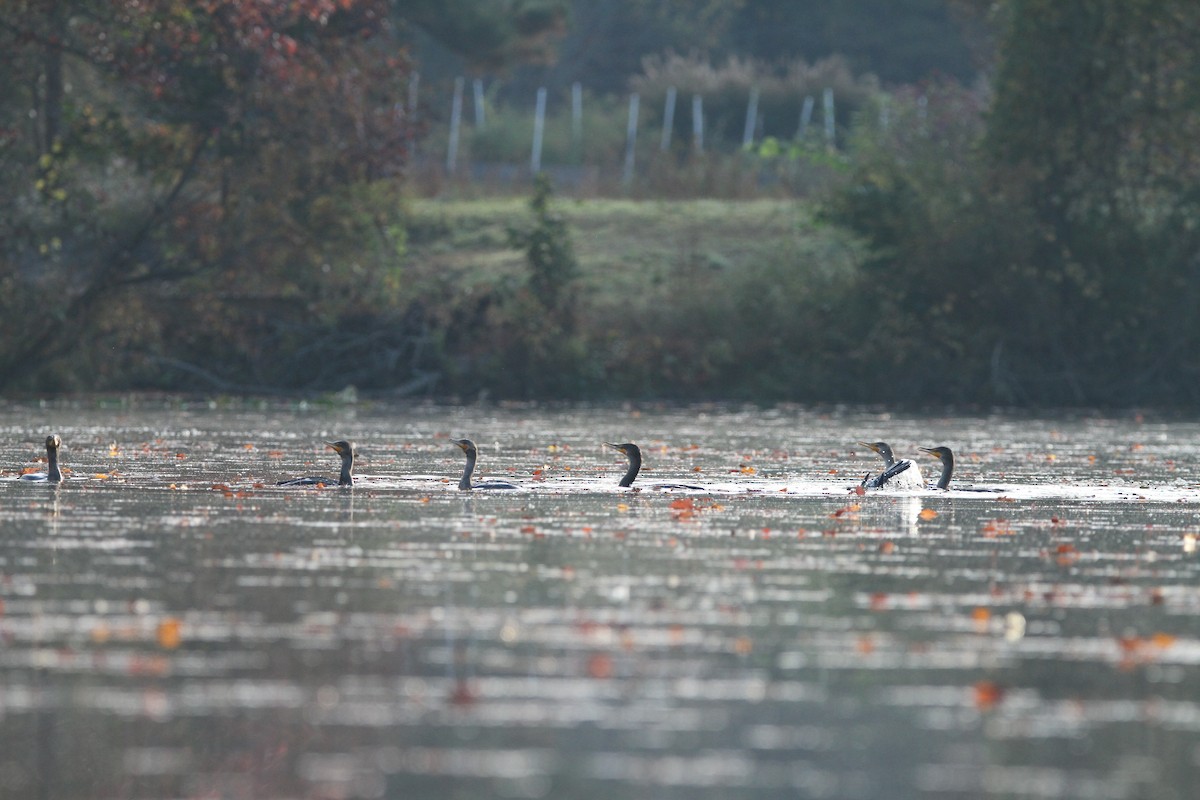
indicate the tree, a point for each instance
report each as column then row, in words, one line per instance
column 1093, row 127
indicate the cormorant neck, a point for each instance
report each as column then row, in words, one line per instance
column 889, row 460
column 635, row 465
column 947, row 471
column 53, row 473
column 347, row 476
column 465, row 483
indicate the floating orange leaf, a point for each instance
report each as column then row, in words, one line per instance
column 168, row 634
column 927, row 514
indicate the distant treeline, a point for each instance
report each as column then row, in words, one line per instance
column 214, row 196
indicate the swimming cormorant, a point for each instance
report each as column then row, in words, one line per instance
column 472, row 452
column 895, row 475
column 634, row 454
column 346, row 451
column 52, row 474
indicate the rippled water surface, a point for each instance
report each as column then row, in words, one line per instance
column 172, row 624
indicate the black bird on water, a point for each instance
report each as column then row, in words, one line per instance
column 346, row 478
column 901, row 472
column 472, row 453
column 634, row 454
column 52, row 474
column 946, row 456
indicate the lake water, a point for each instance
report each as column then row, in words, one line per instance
column 174, row 625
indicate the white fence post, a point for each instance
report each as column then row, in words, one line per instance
column 414, row 85
column 668, row 120
column 480, row 119
column 455, row 123
column 577, row 119
column 806, row 113
column 630, row 139
column 697, row 123
column 830, row 127
column 751, row 119
column 539, row 124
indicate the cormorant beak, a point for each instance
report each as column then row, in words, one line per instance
column 870, row 446
column 930, row 452
column 460, row 444
column 335, row 447
column 616, row 447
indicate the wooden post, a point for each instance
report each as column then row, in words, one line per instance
column 480, row 119
column 630, row 139
column 539, row 124
column 697, row 123
column 751, row 119
column 668, row 120
column 455, row 123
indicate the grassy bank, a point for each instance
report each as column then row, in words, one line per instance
column 692, row 299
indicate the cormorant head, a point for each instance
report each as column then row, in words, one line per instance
column 628, row 449
column 882, row 448
column 466, row 445
column 941, row 453
column 341, row 447
column 53, row 442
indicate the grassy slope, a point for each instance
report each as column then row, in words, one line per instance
column 698, row 298
column 625, row 245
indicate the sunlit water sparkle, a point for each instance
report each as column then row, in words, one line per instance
column 174, row 624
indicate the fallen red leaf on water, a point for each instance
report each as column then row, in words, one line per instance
column 600, row 666
column 927, row 514
column 988, row 695
column 462, row 694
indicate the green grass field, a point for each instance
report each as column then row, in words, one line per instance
column 689, row 298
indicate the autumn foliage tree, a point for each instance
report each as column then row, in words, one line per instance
column 176, row 173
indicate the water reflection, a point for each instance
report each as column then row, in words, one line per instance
column 182, row 627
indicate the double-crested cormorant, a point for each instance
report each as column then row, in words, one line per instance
column 346, row 451
column 946, row 456
column 634, row 454
column 900, row 473
column 472, row 452
column 52, row 474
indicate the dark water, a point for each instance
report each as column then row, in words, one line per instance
column 174, row 625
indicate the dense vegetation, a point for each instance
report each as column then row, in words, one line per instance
column 219, row 195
